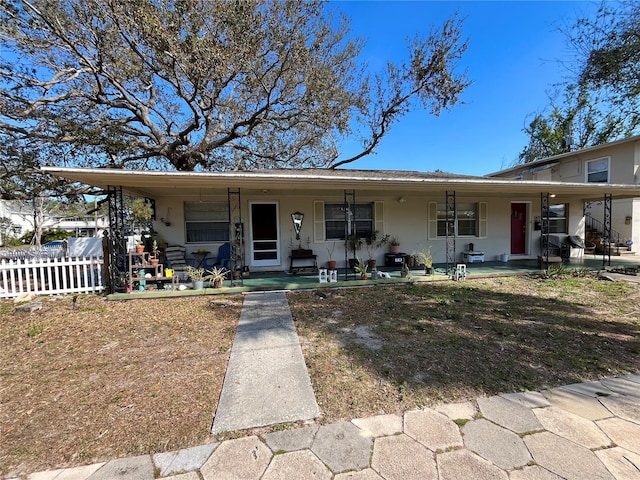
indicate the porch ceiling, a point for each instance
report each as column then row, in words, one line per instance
column 315, row 182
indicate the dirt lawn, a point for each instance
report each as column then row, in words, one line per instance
column 110, row 379
column 387, row 349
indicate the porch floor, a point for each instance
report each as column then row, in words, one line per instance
column 279, row 280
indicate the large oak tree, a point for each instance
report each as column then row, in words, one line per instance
column 209, row 84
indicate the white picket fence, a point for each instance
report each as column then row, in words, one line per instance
column 51, row 276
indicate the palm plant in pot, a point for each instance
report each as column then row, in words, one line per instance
column 197, row 277
column 361, row 267
column 216, row 276
column 425, row 258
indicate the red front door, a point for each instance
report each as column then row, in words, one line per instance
column 518, row 228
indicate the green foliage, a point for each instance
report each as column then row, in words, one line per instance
column 212, row 85
column 601, row 100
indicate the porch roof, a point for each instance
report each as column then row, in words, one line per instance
column 171, row 183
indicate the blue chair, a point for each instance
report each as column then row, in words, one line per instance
column 224, row 256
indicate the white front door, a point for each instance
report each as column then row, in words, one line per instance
column 265, row 234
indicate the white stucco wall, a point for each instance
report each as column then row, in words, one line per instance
column 408, row 220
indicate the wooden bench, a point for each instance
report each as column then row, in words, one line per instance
column 304, row 260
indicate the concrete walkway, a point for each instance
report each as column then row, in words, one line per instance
column 267, row 380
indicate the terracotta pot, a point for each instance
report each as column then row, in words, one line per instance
column 331, row 264
column 364, row 276
column 217, row 283
column 139, row 248
column 395, row 249
column 154, row 261
column 371, row 263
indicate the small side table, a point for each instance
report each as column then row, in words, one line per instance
column 472, row 257
column 200, row 257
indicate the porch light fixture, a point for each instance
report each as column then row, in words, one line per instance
column 296, row 218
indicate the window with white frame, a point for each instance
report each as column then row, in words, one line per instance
column 558, row 218
column 206, row 222
column 465, row 223
column 597, row 171
column 334, row 220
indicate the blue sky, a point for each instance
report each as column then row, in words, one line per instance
column 515, row 56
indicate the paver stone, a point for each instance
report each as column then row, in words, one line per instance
column 622, row 386
column 500, row 446
column 342, row 446
column 509, row 414
column 455, row 411
column 402, row 458
column 621, row 462
column 380, row 425
column 622, row 432
column 590, row 389
column 130, row 468
column 290, row 440
column 299, row 464
column 242, row 459
column 183, row 460
column 565, row 458
column 434, row 430
column 573, row 427
column 463, row 464
column 627, row 408
column 587, row 407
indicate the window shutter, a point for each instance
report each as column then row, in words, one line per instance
column 318, row 221
column 482, row 219
column 378, row 217
column 433, row 221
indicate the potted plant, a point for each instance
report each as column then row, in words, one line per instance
column 331, row 263
column 394, row 245
column 374, row 241
column 197, row 277
column 361, row 268
column 139, row 246
column 154, row 258
column 216, row 276
column 425, row 258
column 353, row 243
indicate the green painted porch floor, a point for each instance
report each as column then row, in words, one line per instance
column 286, row 281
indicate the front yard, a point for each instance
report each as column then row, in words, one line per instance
column 106, row 379
column 385, row 350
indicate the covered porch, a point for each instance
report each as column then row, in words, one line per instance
column 453, row 217
column 277, row 280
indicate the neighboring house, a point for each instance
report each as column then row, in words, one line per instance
column 203, row 210
column 614, row 163
column 21, row 216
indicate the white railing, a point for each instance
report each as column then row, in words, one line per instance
column 51, row 276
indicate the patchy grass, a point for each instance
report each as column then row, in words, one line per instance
column 387, row 349
column 109, row 379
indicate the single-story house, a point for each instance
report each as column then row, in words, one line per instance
column 616, row 163
column 450, row 214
